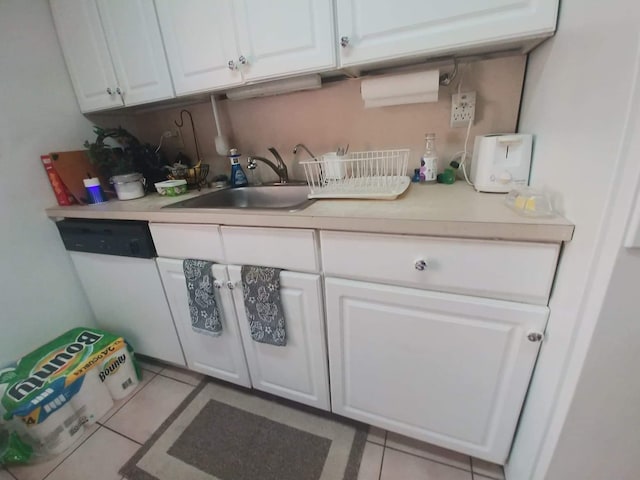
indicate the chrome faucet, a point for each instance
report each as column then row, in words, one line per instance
column 279, row 167
column 303, row 146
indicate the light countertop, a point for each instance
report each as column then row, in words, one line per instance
column 440, row 210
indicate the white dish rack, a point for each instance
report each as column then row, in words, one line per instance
column 380, row 174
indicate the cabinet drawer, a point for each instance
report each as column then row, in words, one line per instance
column 496, row 269
column 177, row 240
column 286, row 248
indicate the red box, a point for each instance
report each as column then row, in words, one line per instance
column 62, row 193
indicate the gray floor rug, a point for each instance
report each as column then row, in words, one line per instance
column 222, row 433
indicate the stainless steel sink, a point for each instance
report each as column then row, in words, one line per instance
column 272, row 197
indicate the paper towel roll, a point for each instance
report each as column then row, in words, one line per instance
column 419, row 87
column 93, row 398
column 119, row 374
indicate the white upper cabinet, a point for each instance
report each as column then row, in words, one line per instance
column 199, row 36
column 86, row 54
column 213, row 44
column 388, row 30
column 284, row 37
column 134, row 40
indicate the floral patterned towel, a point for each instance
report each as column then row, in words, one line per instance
column 205, row 317
column 261, row 287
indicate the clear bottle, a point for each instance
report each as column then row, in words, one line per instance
column 238, row 177
column 429, row 160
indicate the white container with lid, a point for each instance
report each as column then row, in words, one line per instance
column 129, row 186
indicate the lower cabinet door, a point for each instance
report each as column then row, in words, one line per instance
column 297, row 371
column 221, row 357
column 447, row 369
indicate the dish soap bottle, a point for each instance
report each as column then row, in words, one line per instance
column 429, row 160
column 238, row 178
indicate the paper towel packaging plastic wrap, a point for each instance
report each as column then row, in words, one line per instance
column 48, row 396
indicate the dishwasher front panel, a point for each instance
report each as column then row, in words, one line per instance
column 128, row 299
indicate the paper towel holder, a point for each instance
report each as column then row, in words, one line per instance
column 447, row 78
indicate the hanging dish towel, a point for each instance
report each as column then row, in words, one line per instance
column 261, row 287
column 205, row 317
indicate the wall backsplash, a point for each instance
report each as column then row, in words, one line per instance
column 334, row 115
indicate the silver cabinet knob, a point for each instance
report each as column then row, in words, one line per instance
column 344, row 42
column 535, row 336
column 421, row 265
column 109, row 91
column 232, row 65
column 217, row 284
column 118, row 91
column 231, row 285
column 242, row 60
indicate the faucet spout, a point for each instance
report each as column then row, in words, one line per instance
column 304, row 147
column 280, row 168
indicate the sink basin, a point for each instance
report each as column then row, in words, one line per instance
column 274, row 197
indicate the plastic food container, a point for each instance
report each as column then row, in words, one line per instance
column 171, row 188
column 530, row 202
column 129, row 186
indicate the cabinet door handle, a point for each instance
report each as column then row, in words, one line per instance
column 421, row 265
column 344, row 42
column 231, row 285
column 535, row 336
column 232, row 65
column 119, row 92
column 109, row 91
column 217, row 284
column 242, row 60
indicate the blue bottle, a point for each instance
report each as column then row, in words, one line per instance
column 238, row 178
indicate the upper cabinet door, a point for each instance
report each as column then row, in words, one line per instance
column 200, row 39
column 284, row 37
column 133, row 35
column 377, row 31
column 86, row 54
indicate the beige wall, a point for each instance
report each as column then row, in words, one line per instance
column 334, row 115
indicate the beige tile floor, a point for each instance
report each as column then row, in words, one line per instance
column 131, row 422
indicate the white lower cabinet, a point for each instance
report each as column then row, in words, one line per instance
column 297, row 371
column 447, row 369
column 221, row 357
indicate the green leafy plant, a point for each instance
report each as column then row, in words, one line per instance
column 113, row 160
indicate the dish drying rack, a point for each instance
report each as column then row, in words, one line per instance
column 380, row 174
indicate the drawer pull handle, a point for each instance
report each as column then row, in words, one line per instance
column 421, row 265
column 535, row 336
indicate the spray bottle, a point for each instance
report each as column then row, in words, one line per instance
column 238, row 178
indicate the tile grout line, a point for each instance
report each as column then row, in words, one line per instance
column 181, row 381
column 429, row 459
column 384, row 448
column 122, row 435
column 71, row 453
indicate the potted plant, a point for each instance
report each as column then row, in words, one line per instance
column 125, row 161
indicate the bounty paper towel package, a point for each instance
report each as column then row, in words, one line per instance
column 48, row 396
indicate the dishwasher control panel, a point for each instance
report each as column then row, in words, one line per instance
column 125, row 238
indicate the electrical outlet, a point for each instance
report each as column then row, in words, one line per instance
column 463, row 108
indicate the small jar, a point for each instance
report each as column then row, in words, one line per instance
column 129, row 186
